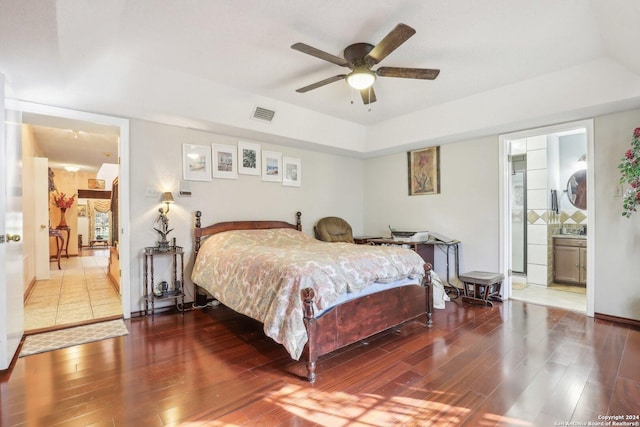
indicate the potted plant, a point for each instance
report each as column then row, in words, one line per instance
column 630, row 174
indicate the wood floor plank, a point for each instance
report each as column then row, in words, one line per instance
column 513, row 364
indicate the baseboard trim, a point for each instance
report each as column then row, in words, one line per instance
column 617, row 319
column 30, row 287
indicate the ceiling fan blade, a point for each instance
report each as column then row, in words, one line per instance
column 408, row 73
column 304, row 48
column 389, row 43
column 321, row 83
column 368, row 95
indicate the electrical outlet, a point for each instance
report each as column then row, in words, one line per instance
column 618, row 192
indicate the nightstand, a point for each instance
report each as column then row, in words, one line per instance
column 171, row 291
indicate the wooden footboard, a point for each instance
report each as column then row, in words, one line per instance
column 358, row 319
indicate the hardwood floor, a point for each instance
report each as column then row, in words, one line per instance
column 515, row 364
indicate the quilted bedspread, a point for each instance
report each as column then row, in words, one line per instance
column 260, row 274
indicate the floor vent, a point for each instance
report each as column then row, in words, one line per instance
column 263, row 114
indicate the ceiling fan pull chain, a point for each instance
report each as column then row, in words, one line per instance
column 351, row 95
column 370, row 97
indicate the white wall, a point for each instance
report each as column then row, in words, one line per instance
column 331, row 185
column 108, row 172
column 466, row 208
column 373, row 194
column 617, row 291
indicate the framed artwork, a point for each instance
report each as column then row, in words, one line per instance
column 424, row 171
column 196, row 162
column 249, row 158
column 271, row 166
column 292, row 172
column 96, row 184
column 225, row 161
column 82, row 210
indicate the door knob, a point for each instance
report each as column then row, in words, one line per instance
column 15, row 237
column 43, row 226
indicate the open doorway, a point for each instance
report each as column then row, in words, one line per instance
column 546, row 233
column 56, row 118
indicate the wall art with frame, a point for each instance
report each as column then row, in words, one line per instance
column 292, row 172
column 225, row 161
column 249, row 158
column 424, row 171
column 272, row 166
column 196, row 162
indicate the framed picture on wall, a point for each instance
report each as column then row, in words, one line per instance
column 95, row 184
column 292, row 172
column 271, row 166
column 225, row 161
column 249, row 158
column 424, row 171
column 196, row 162
column 82, row 210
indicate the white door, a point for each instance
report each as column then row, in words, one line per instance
column 11, row 259
column 41, row 218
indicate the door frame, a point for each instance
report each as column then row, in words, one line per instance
column 123, row 196
column 505, row 224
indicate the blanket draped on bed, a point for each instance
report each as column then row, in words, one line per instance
column 260, row 274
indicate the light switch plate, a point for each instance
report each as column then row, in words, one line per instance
column 152, row 193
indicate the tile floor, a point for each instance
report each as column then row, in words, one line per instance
column 568, row 297
column 79, row 292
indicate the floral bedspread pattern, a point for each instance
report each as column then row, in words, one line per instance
column 260, row 273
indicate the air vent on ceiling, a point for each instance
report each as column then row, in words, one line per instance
column 263, row 114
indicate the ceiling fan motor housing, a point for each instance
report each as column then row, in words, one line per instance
column 356, row 53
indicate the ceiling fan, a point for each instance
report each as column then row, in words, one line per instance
column 360, row 57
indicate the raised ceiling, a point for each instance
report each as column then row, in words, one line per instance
column 505, row 64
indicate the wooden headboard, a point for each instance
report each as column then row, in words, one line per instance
column 219, row 227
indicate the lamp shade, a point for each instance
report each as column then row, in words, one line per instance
column 167, row 197
column 361, row 78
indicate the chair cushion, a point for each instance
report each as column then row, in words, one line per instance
column 333, row 229
column 481, row 277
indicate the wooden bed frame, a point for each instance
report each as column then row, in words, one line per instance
column 351, row 321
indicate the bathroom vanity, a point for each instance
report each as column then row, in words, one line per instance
column 570, row 259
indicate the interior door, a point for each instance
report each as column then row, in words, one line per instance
column 11, row 258
column 41, row 217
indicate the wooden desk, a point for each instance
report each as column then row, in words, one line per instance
column 59, row 244
column 364, row 240
column 426, row 251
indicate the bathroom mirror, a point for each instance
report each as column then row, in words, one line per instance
column 577, row 189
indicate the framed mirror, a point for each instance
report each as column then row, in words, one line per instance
column 577, row 189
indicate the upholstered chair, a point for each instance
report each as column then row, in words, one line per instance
column 333, row 229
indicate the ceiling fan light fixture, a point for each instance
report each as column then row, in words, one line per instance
column 361, row 78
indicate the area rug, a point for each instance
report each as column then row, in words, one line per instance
column 63, row 338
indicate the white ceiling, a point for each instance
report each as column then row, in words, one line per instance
column 195, row 63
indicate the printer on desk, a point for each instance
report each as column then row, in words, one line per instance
column 418, row 236
column 409, row 236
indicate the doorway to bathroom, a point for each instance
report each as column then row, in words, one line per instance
column 545, row 223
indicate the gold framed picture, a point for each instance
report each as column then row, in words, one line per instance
column 424, row 171
column 96, row 184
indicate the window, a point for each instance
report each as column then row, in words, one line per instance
column 101, row 226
